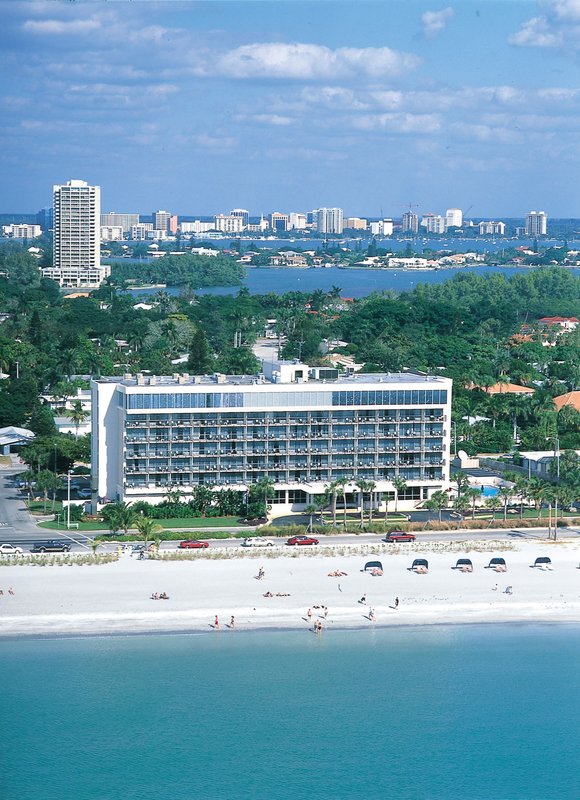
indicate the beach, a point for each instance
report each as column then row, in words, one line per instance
column 115, row 598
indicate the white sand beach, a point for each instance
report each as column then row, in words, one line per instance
column 115, row 598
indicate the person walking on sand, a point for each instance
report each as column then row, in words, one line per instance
column 216, row 623
column 309, row 614
column 232, row 622
column 396, row 602
column 372, row 615
column 325, row 612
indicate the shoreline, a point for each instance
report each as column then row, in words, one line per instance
column 115, row 598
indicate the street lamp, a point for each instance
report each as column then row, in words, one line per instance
column 68, row 504
column 556, row 441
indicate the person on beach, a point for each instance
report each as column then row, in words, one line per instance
column 216, row 623
column 11, row 590
column 232, row 622
column 372, row 615
column 396, row 602
column 325, row 612
column 260, row 574
column 363, row 600
column 309, row 614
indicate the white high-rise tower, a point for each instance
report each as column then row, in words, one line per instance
column 76, row 254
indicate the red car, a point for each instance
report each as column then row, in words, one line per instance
column 193, row 543
column 302, row 540
column 399, row 536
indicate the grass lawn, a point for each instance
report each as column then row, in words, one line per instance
column 188, row 522
column 37, row 506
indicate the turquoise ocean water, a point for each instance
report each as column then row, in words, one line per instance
column 478, row 712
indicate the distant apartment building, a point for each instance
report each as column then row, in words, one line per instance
column 258, row 227
column 536, row 223
column 161, row 220
column 434, row 223
column 303, row 427
column 453, row 218
column 196, row 227
column 76, row 257
column 22, row 231
column 140, row 231
column 111, row 233
column 491, row 227
column 242, row 213
column 356, row 223
column 173, row 224
column 126, row 221
column 228, row 223
column 279, row 222
column 383, row 227
column 330, row 220
column 410, row 222
column 297, row 222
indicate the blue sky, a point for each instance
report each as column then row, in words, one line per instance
column 199, row 107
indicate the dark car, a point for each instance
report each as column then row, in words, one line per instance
column 302, row 540
column 189, row 543
column 51, row 546
column 399, row 536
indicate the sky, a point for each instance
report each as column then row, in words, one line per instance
column 374, row 107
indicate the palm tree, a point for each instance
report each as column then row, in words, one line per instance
column 311, row 510
column 78, row 415
column 147, row 527
column 472, row 495
column 342, row 484
column 400, row 485
column 493, row 503
column 437, row 502
column 119, row 515
column 266, row 486
column 504, row 495
column 461, row 480
column 332, row 492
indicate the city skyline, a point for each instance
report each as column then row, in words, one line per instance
column 295, row 106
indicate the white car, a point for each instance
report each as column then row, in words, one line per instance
column 257, row 541
column 10, row 550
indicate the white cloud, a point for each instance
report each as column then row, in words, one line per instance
column 558, row 27
column 58, row 26
column 399, row 123
column 309, row 62
column 435, row 21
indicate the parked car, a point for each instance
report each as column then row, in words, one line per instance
column 84, row 493
column 51, row 546
column 192, row 543
column 10, row 550
column 294, row 540
column 257, row 541
column 399, row 536
column 255, row 521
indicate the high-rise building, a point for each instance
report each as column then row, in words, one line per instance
column 111, row 233
column 242, row 213
column 228, row 223
column 384, row 227
column 173, row 224
column 303, row 427
column 279, row 222
column 410, row 222
column 45, row 218
column 490, row 227
column 356, row 223
column 453, row 218
column 329, row 220
column 434, row 223
column 161, row 220
column 140, row 231
column 126, row 221
column 297, row 221
column 22, row 230
column 536, row 223
column 76, row 259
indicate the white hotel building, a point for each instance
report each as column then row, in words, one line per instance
column 303, row 427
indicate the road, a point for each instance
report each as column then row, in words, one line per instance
column 18, row 527
column 80, row 542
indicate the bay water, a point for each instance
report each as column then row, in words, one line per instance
column 441, row 713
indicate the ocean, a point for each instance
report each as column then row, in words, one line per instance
column 440, row 713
